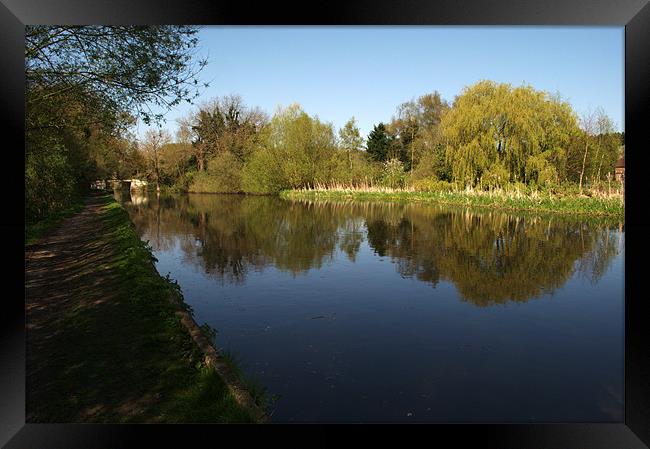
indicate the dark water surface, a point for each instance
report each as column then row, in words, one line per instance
column 403, row 312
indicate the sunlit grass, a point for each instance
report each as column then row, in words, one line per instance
column 595, row 203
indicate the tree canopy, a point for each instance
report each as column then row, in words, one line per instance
column 515, row 131
column 85, row 87
column 131, row 68
column 379, row 143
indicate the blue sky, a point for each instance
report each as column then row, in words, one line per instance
column 366, row 72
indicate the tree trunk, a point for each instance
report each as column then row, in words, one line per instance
column 584, row 160
column 200, row 162
column 155, row 155
column 412, row 137
column 599, row 153
column 600, row 163
column 350, row 163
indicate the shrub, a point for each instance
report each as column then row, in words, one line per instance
column 262, row 173
column 432, row 185
column 517, row 187
column 432, row 165
column 364, row 171
column 393, row 174
column 49, row 183
column 222, row 176
column 496, row 176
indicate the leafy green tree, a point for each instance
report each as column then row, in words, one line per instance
column 379, row 143
column 588, row 126
column 351, row 140
column 175, row 161
column 607, row 146
column 223, row 124
column 303, row 144
column 394, row 175
column 154, row 142
column 84, row 87
column 74, row 138
column 131, row 67
column 496, row 123
column 417, row 127
column 223, row 175
column 294, row 151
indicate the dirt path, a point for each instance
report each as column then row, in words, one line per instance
column 58, row 280
column 56, row 272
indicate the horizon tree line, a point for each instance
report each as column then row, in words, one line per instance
column 491, row 135
column 82, row 102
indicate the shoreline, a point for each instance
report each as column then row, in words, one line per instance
column 569, row 205
column 111, row 302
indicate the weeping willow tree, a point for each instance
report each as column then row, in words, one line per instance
column 500, row 131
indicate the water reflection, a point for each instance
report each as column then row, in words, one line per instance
column 491, row 257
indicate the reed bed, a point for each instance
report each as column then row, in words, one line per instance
column 596, row 203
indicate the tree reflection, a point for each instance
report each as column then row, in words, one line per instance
column 491, row 257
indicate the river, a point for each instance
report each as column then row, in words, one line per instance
column 374, row 312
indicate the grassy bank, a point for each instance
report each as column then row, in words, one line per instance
column 35, row 230
column 113, row 349
column 497, row 200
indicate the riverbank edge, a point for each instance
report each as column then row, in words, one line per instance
column 211, row 356
column 213, row 359
column 542, row 204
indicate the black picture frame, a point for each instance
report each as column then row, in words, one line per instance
column 634, row 432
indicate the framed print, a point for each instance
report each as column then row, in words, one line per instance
column 354, row 213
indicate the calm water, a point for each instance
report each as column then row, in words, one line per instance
column 391, row 312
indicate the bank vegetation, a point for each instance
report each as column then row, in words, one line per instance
column 492, row 137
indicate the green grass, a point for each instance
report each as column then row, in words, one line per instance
column 126, row 359
column 254, row 386
column 36, row 230
column 506, row 201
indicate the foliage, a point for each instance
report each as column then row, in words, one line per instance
column 40, row 228
column 496, row 123
column 222, row 176
column 364, row 170
column 155, row 64
column 49, row 183
column 81, row 100
column 393, row 174
column 496, row 176
column 223, row 124
column 152, row 146
column 379, row 143
column 516, row 196
column 174, row 162
column 432, row 164
column 416, row 128
column 540, row 170
column 350, row 142
column 297, row 150
column 492, row 136
column 432, row 185
column 263, row 173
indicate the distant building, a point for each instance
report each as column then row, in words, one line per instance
column 98, row 185
column 619, row 173
column 118, row 184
